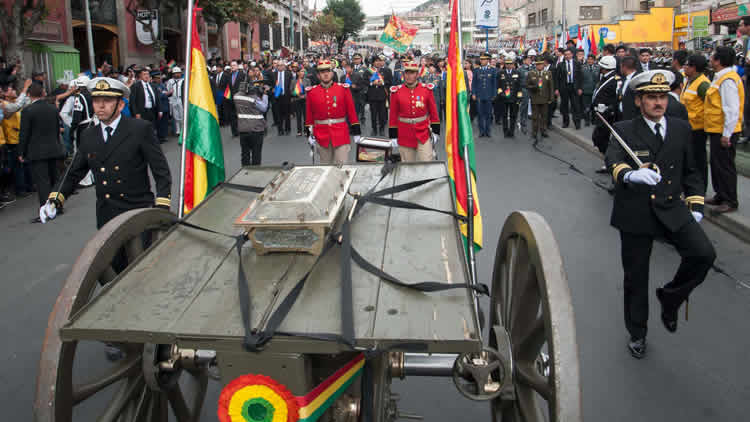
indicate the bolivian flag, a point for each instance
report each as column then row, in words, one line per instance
column 204, row 158
column 458, row 134
column 398, row 34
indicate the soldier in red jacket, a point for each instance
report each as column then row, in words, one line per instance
column 413, row 114
column 328, row 106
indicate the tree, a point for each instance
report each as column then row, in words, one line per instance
column 18, row 18
column 325, row 28
column 351, row 14
column 257, row 13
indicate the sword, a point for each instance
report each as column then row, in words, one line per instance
column 625, row 146
column 65, row 176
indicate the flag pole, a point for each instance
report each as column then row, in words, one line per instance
column 185, row 103
column 467, row 169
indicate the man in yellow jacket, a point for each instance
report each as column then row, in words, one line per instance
column 14, row 173
column 723, row 109
column 693, row 97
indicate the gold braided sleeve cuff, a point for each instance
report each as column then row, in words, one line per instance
column 617, row 171
column 57, row 196
column 163, row 202
column 695, row 203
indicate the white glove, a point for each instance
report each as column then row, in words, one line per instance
column 357, row 138
column 311, row 140
column 698, row 216
column 601, row 108
column 643, row 176
column 394, row 143
column 435, row 138
column 48, row 211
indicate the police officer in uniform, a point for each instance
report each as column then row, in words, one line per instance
column 414, row 123
column 483, row 91
column 604, row 101
column 251, row 104
column 509, row 90
column 377, row 96
column 649, row 204
column 328, row 106
column 541, row 86
column 83, row 109
column 120, row 151
column 360, row 83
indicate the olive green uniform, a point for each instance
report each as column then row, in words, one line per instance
column 540, row 97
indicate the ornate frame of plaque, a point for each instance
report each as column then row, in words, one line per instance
column 297, row 209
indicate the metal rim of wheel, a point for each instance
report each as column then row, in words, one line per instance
column 133, row 399
column 531, row 305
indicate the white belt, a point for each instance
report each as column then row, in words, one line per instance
column 412, row 120
column 330, row 121
column 249, row 116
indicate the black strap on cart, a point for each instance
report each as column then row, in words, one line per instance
column 257, row 337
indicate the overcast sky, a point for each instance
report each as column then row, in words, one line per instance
column 378, row 7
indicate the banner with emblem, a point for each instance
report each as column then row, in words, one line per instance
column 487, row 13
column 398, row 34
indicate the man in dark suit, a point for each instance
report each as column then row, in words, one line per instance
column 233, row 80
column 282, row 93
column 39, row 141
column 222, row 80
column 644, row 60
column 144, row 102
column 648, row 204
column 119, row 151
column 675, row 108
column 626, row 95
column 377, row 94
column 570, row 88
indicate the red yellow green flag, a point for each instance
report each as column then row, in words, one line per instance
column 204, row 155
column 458, row 134
column 398, row 34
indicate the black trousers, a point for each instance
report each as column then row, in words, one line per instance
column 570, row 103
column 551, row 111
column 697, row 255
column 378, row 115
column 274, row 109
column 723, row 169
column 44, row 175
column 231, row 111
column 510, row 114
column 498, row 108
column 359, row 106
column 299, row 114
column 282, row 108
column 251, row 144
column 700, row 156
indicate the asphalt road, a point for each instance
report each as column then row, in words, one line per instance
column 698, row 374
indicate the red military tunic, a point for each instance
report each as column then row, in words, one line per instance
column 326, row 112
column 413, row 111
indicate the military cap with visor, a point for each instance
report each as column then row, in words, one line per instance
column 411, row 67
column 653, row 81
column 107, row 87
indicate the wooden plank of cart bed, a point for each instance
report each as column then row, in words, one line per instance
column 158, row 289
column 424, row 246
column 317, row 310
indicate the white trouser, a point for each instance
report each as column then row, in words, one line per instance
column 175, row 107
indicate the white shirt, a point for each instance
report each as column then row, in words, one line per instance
column 673, row 94
column 280, row 80
column 662, row 129
column 569, row 65
column 66, row 113
column 644, row 66
column 147, row 89
column 730, row 102
column 175, row 85
column 113, row 125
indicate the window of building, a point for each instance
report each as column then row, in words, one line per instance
column 544, row 16
column 590, row 12
column 532, row 19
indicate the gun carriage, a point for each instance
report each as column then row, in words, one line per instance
column 304, row 293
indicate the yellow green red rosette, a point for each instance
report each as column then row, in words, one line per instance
column 257, row 398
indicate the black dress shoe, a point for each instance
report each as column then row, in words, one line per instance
column 637, row 347
column 668, row 312
column 565, row 125
column 603, row 170
column 36, row 220
column 578, row 126
column 544, row 135
column 713, row 201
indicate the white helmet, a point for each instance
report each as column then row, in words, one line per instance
column 608, row 62
column 531, row 52
column 81, row 81
column 176, row 69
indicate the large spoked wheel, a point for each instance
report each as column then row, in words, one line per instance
column 532, row 315
column 133, row 387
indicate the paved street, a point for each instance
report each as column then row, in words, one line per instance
column 698, row 374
